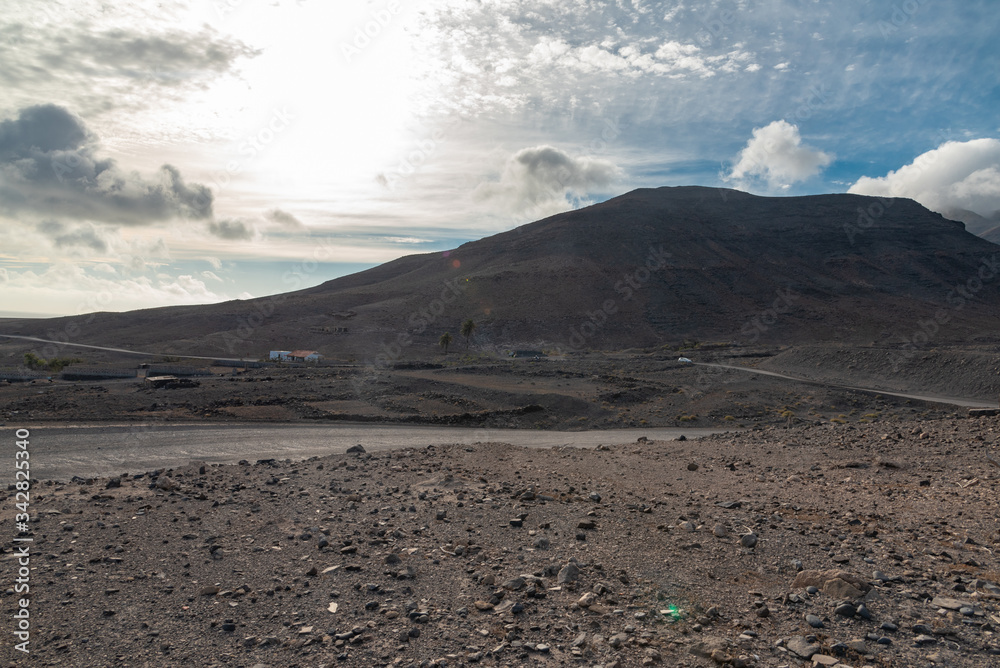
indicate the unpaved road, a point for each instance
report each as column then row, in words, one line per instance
column 60, row 452
column 954, row 401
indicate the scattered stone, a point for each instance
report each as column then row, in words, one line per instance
column 845, row 610
column 749, row 540
column 569, row 573
column 814, row 621
column 708, row 646
column 800, row 646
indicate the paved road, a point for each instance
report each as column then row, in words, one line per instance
column 59, row 453
column 954, row 401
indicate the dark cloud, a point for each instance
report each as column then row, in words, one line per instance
column 283, row 218
column 231, row 229
column 49, row 166
column 80, row 236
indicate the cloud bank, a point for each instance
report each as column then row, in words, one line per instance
column 50, row 166
column 953, row 176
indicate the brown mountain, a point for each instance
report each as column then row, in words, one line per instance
column 651, row 267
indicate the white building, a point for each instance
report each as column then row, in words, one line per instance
column 295, row 356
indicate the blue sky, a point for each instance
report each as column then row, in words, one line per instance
column 159, row 153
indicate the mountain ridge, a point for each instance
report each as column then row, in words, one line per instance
column 650, row 267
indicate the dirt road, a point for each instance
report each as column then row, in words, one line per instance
column 60, row 452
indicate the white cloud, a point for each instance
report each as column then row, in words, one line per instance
column 955, row 175
column 776, row 154
column 69, row 288
column 540, row 179
column 672, row 58
column 210, row 276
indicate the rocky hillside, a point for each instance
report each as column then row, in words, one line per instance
column 653, row 266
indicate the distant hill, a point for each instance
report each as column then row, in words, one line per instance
column 651, row 267
column 987, row 227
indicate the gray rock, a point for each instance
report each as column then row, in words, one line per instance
column 802, row 647
column 749, row 540
column 814, row 621
column 569, row 573
column 356, row 449
column 845, row 610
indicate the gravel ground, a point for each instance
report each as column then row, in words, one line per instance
column 863, row 545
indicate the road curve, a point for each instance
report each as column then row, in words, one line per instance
column 60, row 452
column 953, row 401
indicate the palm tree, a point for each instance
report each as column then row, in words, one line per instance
column 468, row 327
column 445, row 341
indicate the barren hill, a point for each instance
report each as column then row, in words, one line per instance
column 651, row 267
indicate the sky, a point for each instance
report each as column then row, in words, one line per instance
column 172, row 152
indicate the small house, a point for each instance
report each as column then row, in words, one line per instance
column 280, row 355
column 305, row 356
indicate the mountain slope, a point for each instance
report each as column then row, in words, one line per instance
column 650, row 267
